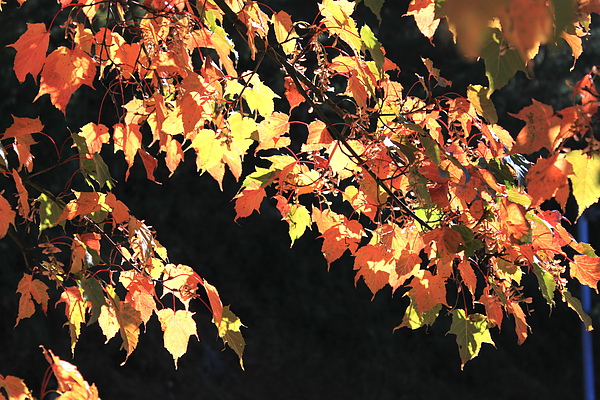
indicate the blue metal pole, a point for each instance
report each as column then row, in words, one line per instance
column 586, row 336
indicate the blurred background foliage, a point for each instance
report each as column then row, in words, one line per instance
column 310, row 332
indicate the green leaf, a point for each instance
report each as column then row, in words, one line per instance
column 575, row 304
column 375, row 6
column 501, row 62
column 373, row 45
column 230, row 332
column 546, row 283
column 585, row 179
column 92, row 292
column 49, row 212
column 471, row 332
column 92, row 168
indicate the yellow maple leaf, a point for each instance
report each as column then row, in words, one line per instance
column 177, row 326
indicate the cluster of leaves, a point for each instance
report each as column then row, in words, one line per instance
column 427, row 193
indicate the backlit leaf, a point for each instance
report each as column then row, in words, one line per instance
column 31, row 51
column 585, row 179
column 501, row 61
column 64, row 72
column 471, row 332
column 177, row 326
column 31, row 290
column 586, row 270
column 230, row 332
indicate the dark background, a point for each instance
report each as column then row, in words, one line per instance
column 310, row 332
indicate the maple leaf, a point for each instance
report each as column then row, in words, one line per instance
column 576, row 306
column 7, row 216
column 467, row 275
column 64, row 72
column 129, row 320
column 342, row 236
column 31, row 51
column 71, row 384
column 375, row 265
column 526, row 24
column 84, row 203
column 336, row 17
column 318, row 137
column 248, row 201
column 21, row 130
column 427, row 290
column 177, row 326
column 586, row 270
column 140, row 293
column 31, row 290
column 15, row 388
column 423, row 12
column 271, row 129
column 119, row 211
column 260, row 97
column 512, row 216
column 95, row 136
column 23, row 198
column 501, row 61
column 75, row 309
column 284, row 31
column 493, row 309
column 215, row 301
column 585, row 179
column 547, row 179
column 230, row 332
column 471, row 332
column 182, row 281
column 541, row 129
column 128, row 139
column 521, row 327
column 293, row 96
column 414, row 319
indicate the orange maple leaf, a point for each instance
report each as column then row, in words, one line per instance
column 23, row 198
column 21, row 130
column 541, row 129
column 521, row 327
column 7, row 216
column 15, row 388
column 31, row 290
column 64, row 72
column 343, row 236
column 428, row 290
column 84, row 203
column 128, row 139
column 548, row 179
column 493, row 308
column 31, row 51
column 140, row 293
column 95, row 136
column 375, row 265
column 248, row 200
column 586, row 270
column 71, row 384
